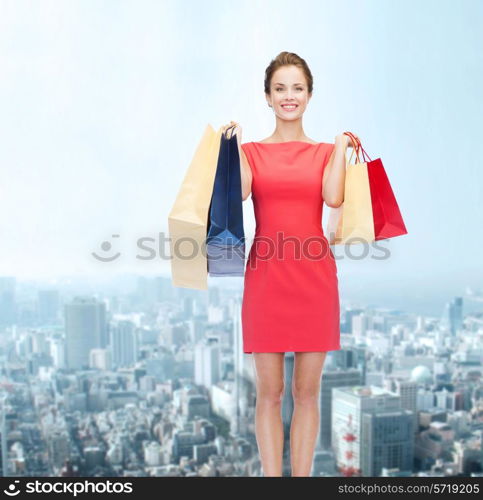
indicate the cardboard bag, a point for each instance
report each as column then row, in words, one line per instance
column 188, row 219
column 353, row 221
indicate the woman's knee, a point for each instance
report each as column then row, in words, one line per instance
column 270, row 393
column 305, row 394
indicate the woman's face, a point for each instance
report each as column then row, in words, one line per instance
column 288, row 87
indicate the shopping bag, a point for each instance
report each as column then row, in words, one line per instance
column 388, row 221
column 353, row 222
column 188, row 219
column 225, row 241
column 387, row 218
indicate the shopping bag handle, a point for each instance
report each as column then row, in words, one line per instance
column 355, row 147
column 359, row 146
column 226, row 131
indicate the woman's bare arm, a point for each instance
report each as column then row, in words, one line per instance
column 246, row 175
column 333, row 181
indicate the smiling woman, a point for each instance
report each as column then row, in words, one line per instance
column 290, row 297
column 288, row 86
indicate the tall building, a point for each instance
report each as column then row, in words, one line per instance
column 452, row 318
column 332, row 379
column 123, row 344
column 387, row 441
column 360, row 324
column 207, row 363
column 348, row 406
column 85, row 329
column 346, row 320
column 57, row 351
column 408, row 392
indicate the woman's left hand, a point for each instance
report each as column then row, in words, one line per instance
column 345, row 140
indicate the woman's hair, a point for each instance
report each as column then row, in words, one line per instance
column 287, row 59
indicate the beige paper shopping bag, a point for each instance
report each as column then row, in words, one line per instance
column 188, row 219
column 353, row 221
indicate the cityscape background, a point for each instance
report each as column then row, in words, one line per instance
column 105, row 367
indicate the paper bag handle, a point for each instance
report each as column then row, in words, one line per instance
column 226, row 131
column 359, row 146
column 355, row 148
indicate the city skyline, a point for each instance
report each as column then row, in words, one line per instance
column 107, row 363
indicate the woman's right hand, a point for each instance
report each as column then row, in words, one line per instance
column 235, row 130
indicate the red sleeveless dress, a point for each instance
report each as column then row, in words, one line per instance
column 290, row 296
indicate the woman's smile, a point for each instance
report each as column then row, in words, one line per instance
column 289, row 107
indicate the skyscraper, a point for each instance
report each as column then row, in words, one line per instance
column 332, row 379
column 207, row 363
column 452, row 318
column 348, row 406
column 123, row 343
column 85, row 329
column 387, row 441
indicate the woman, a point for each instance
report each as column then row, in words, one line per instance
column 290, row 298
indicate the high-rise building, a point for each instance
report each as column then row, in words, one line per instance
column 346, row 319
column 408, row 392
column 348, row 406
column 57, row 351
column 360, row 324
column 387, row 441
column 207, row 363
column 85, row 329
column 330, row 380
column 452, row 318
column 123, row 344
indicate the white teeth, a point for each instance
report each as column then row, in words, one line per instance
column 290, row 106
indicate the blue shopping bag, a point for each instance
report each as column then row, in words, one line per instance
column 225, row 240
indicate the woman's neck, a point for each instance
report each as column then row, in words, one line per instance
column 290, row 131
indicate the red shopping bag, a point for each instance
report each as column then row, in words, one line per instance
column 388, row 221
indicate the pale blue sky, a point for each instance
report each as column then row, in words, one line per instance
column 103, row 103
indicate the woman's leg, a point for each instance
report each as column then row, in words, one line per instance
column 306, row 415
column 268, row 415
